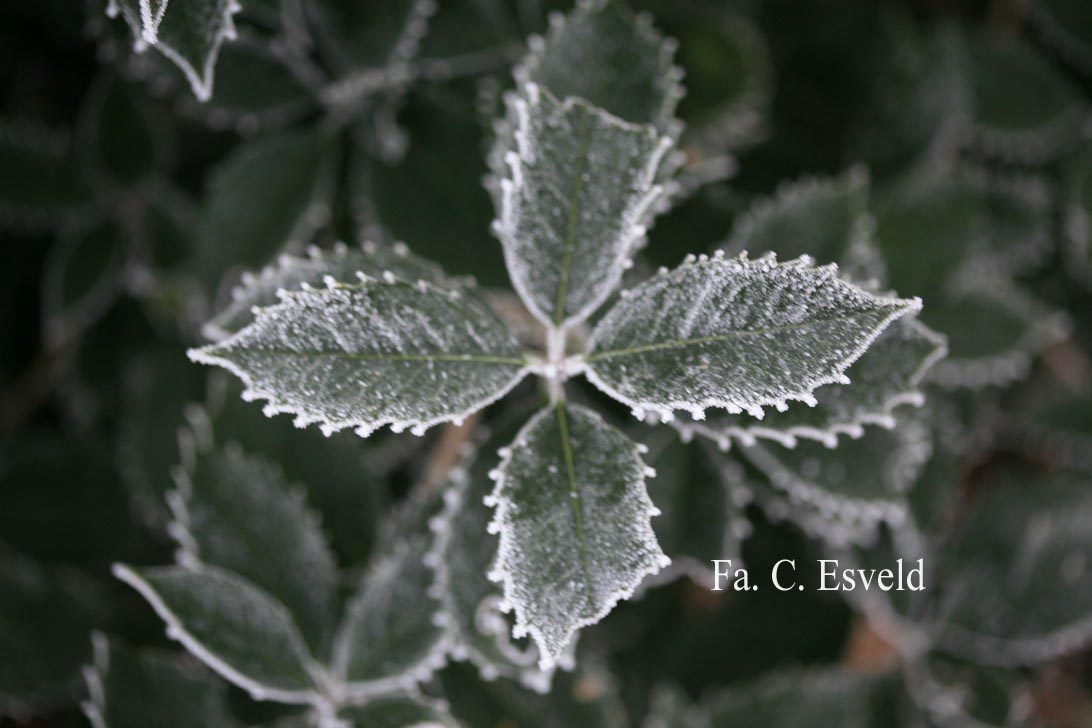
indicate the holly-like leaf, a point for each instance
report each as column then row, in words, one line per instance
column 270, row 195
column 841, row 494
column 400, row 711
column 291, row 273
column 802, row 699
column 237, row 629
column 237, row 512
column 1065, row 25
column 40, row 183
column 616, row 61
column 701, row 507
column 188, row 32
column 886, row 376
column 703, row 334
column 575, row 525
column 1078, row 216
column 580, row 186
column 1012, row 580
column 127, row 688
column 462, row 555
column 382, row 352
column 123, row 141
column 825, row 218
column 390, row 638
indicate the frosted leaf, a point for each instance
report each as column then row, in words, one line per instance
column 188, row 32
column 575, row 525
column 463, row 553
column 237, row 629
column 853, row 487
column 574, row 203
column 797, row 699
column 151, row 687
column 390, row 637
column 736, row 334
column 237, row 512
column 385, row 352
column 1052, row 423
column 952, row 693
column 886, row 376
column 701, row 507
column 1014, row 575
column 40, row 184
column 601, row 52
column 824, row 218
column 1077, row 228
column 292, row 273
column 270, row 194
column 400, row 711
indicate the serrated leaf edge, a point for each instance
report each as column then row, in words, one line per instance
column 500, row 572
column 898, row 307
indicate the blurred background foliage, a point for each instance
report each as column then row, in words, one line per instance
column 128, row 210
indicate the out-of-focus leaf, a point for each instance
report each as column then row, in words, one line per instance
column 1011, row 584
column 390, row 638
column 40, row 184
column 270, row 195
column 122, row 138
column 574, row 520
column 238, row 512
column 1065, row 26
column 127, row 688
column 400, row 711
column 700, row 336
column 234, row 627
column 45, row 618
column 83, row 276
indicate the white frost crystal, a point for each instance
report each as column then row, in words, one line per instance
column 574, row 522
column 574, row 203
column 735, row 333
column 385, row 352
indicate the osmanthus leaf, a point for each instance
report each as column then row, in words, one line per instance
column 269, row 195
column 231, row 625
column 151, row 687
column 41, row 185
column 580, row 186
column 462, row 555
column 1012, row 584
column 343, row 475
column 826, row 218
column 797, row 699
column 1065, row 26
column 84, row 274
column 400, row 711
column 842, row 494
column 736, row 333
column 701, row 506
column 950, row 693
column 382, row 352
column 390, row 637
column 574, row 520
column 376, row 36
column 46, row 614
column 189, row 33
column 237, row 512
column 1050, row 422
column 292, row 273
column 611, row 58
column 886, row 377
column 670, row 707
column 1077, row 226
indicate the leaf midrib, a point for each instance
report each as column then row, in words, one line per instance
column 681, row 343
column 575, row 500
column 446, row 358
column 575, row 210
